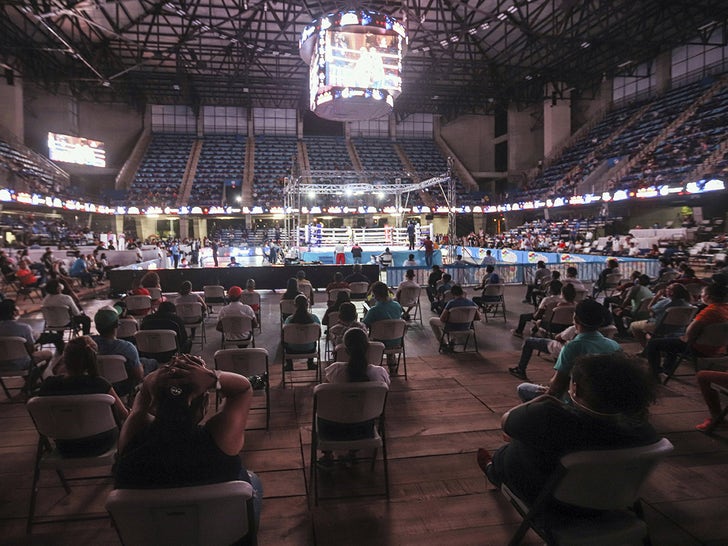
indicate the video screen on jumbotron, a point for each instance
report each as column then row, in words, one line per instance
column 363, row 60
column 79, row 150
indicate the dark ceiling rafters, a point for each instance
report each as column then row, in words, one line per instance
column 465, row 56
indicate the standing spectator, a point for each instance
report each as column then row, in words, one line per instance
column 214, row 245
column 429, row 247
column 411, row 235
column 356, row 252
column 174, row 252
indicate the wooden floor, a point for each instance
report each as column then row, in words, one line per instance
column 450, row 406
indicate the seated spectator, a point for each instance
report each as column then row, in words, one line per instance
column 356, row 370
column 601, row 283
column 409, row 282
column 151, row 280
column 547, row 304
column 301, row 316
column 162, row 443
column 490, row 278
column 81, row 376
column 609, row 400
column 441, row 324
column 337, row 283
column 545, row 288
column 186, row 295
column 347, row 319
column 166, row 318
column 631, row 305
column 79, row 271
column 106, row 321
column 410, row 261
column 674, row 295
column 28, row 279
column 711, row 396
column 356, row 275
column 36, row 361
column 444, row 286
column 542, row 344
column 715, row 297
column 572, row 277
column 54, row 298
column 237, row 308
column 540, row 277
column 384, row 309
column 304, row 285
column 250, row 288
column 385, row 258
column 433, row 278
column 588, row 318
column 341, row 297
column 291, row 293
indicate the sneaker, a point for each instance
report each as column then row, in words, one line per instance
column 484, row 458
column 517, row 333
column 518, row 372
column 705, row 425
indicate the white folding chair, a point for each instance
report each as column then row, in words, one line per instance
column 611, row 284
column 393, row 331
column 68, row 418
column 301, row 334
column 112, row 367
column 333, row 295
column 12, row 348
column 349, row 403
column 375, row 353
column 237, row 331
column 193, row 315
column 58, row 320
column 605, row 481
column 560, row 318
column 307, row 290
column 358, row 290
column 127, row 328
column 154, row 343
column 138, row 305
column 287, row 307
column 253, row 299
column 214, row 294
column 460, row 324
column 409, row 296
column 249, row 362
column 217, row 514
column 493, row 301
column 156, row 295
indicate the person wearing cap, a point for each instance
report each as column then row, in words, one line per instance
column 236, row 308
column 56, row 299
column 589, row 316
column 106, row 320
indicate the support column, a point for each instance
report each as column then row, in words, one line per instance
column 556, row 119
column 11, row 97
column 184, row 227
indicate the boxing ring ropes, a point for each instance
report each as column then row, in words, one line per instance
column 362, row 183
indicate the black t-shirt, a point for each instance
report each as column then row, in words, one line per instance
column 81, row 384
column 153, row 459
column 542, row 433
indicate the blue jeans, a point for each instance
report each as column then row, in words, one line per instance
column 529, row 391
column 529, row 345
column 428, row 259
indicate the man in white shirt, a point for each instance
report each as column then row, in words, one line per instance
column 236, row 308
column 410, row 261
column 340, row 257
column 56, row 299
column 409, row 282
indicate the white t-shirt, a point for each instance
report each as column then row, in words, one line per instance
column 336, row 373
column 237, row 309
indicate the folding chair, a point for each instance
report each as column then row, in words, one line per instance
column 611, row 283
column 605, row 481
column 713, row 335
column 127, row 328
column 237, row 331
column 112, row 367
column 301, row 334
column 68, row 418
column 138, row 305
column 464, row 318
column 157, row 344
column 248, row 362
column 410, row 297
column 493, row 300
column 558, row 320
column 217, row 514
column 12, row 348
column 358, row 289
column 333, row 294
column 375, row 353
column 331, row 318
column 391, row 330
column 253, row 299
column 58, row 320
column 214, row 295
column 287, row 307
column 349, row 403
column 193, row 315
column 722, row 391
column 674, row 321
column 156, row 295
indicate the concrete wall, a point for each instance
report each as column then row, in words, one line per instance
column 525, row 138
column 11, row 111
column 471, row 138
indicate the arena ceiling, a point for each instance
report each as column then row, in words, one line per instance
column 464, row 56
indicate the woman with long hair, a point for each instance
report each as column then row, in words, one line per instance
column 301, row 316
column 356, row 370
column 341, row 298
column 291, row 290
column 81, row 376
column 347, row 319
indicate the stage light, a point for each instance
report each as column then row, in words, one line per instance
column 238, row 198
